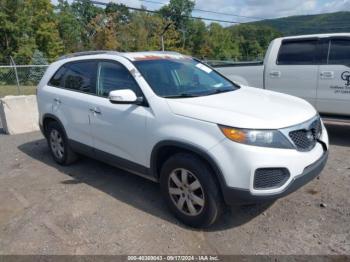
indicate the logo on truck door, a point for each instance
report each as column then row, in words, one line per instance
column 343, row 89
column 346, row 77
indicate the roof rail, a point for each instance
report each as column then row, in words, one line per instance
column 85, row 53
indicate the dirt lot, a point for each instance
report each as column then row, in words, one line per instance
column 91, row 208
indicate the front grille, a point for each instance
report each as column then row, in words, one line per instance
column 306, row 139
column 269, row 178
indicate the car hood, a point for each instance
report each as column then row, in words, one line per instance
column 246, row 107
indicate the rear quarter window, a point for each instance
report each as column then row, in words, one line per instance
column 77, row 76
column 339, row 53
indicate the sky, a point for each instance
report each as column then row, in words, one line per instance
column 254, row 9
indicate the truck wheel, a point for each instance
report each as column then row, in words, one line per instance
column 58, row 144
column 190, row 190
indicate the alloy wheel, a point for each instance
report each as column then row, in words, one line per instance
column 56, row 142
column 186, row 192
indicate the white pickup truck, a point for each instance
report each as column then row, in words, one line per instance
column 313, row 67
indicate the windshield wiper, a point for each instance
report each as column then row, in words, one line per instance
column 181, row 95
column 219, row 91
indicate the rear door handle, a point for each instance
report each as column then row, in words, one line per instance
column 327, row 74
column 275, row 73
column 57, row 100
column 95, row 110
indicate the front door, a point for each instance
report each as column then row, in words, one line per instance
column 118, row 129
column 333, row 95
column 295, row 71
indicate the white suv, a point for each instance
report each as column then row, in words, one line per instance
column 176, row 121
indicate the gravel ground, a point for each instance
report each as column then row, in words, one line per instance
column 91, row 208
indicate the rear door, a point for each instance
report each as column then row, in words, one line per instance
column 333, row 95
column 295, row 70
column 73, row 86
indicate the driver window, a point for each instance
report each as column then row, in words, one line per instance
column 114, row 76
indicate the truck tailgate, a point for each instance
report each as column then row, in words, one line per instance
column 250, row 74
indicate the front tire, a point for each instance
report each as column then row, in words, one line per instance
column 190, row 191
column 58, row 144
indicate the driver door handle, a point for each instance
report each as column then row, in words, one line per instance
column 327, row 74
column 95, row 110
column 275, row 74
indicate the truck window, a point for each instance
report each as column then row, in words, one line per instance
column 339, row 53
column 297, row 53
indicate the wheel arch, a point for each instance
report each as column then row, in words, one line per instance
column 164, row 149
column 48, row 118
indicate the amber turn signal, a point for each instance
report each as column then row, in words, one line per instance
column 234, row 134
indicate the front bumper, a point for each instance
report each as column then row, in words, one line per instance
column 234, row 196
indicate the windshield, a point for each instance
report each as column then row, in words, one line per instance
column 184, row 77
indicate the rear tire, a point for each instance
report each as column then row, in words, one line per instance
column 190, row 190
column 58, row 144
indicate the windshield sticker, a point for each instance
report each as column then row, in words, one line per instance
column 218, row 85
column 204, row 68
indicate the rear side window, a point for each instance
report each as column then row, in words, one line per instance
column 78, row 76
column 57, row 79
column 339, row 53
column 297, row 53
column 114, row 76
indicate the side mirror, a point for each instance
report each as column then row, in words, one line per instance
column 124, row 96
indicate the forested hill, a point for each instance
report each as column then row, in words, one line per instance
column 310, row 24
column 41, row 31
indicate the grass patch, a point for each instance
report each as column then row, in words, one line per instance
column 12, row 90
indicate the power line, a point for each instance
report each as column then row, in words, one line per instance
column 220, row 13
column 156, row 12
column 263, row 21
column 207, row 11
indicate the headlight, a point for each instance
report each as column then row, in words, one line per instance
column 264, row 138
column 320, row 131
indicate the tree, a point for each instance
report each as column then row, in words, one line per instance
column 69, row 27
column 36, row 22
column 25, row 48
column 220, row 44
column 36, row 73
column 142, row 33
column 178, row 11
column 197, row 33
column 121, row 12
column 253, row 40
column 26, row 26
column 30, row 26
column 104, row 37
column 8, row 30
column 84, row 11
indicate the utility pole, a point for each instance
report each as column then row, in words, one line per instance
column 162, row 35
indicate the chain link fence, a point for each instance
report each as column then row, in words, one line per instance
column 20, row 79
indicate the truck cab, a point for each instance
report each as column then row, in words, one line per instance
column 313, row 67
